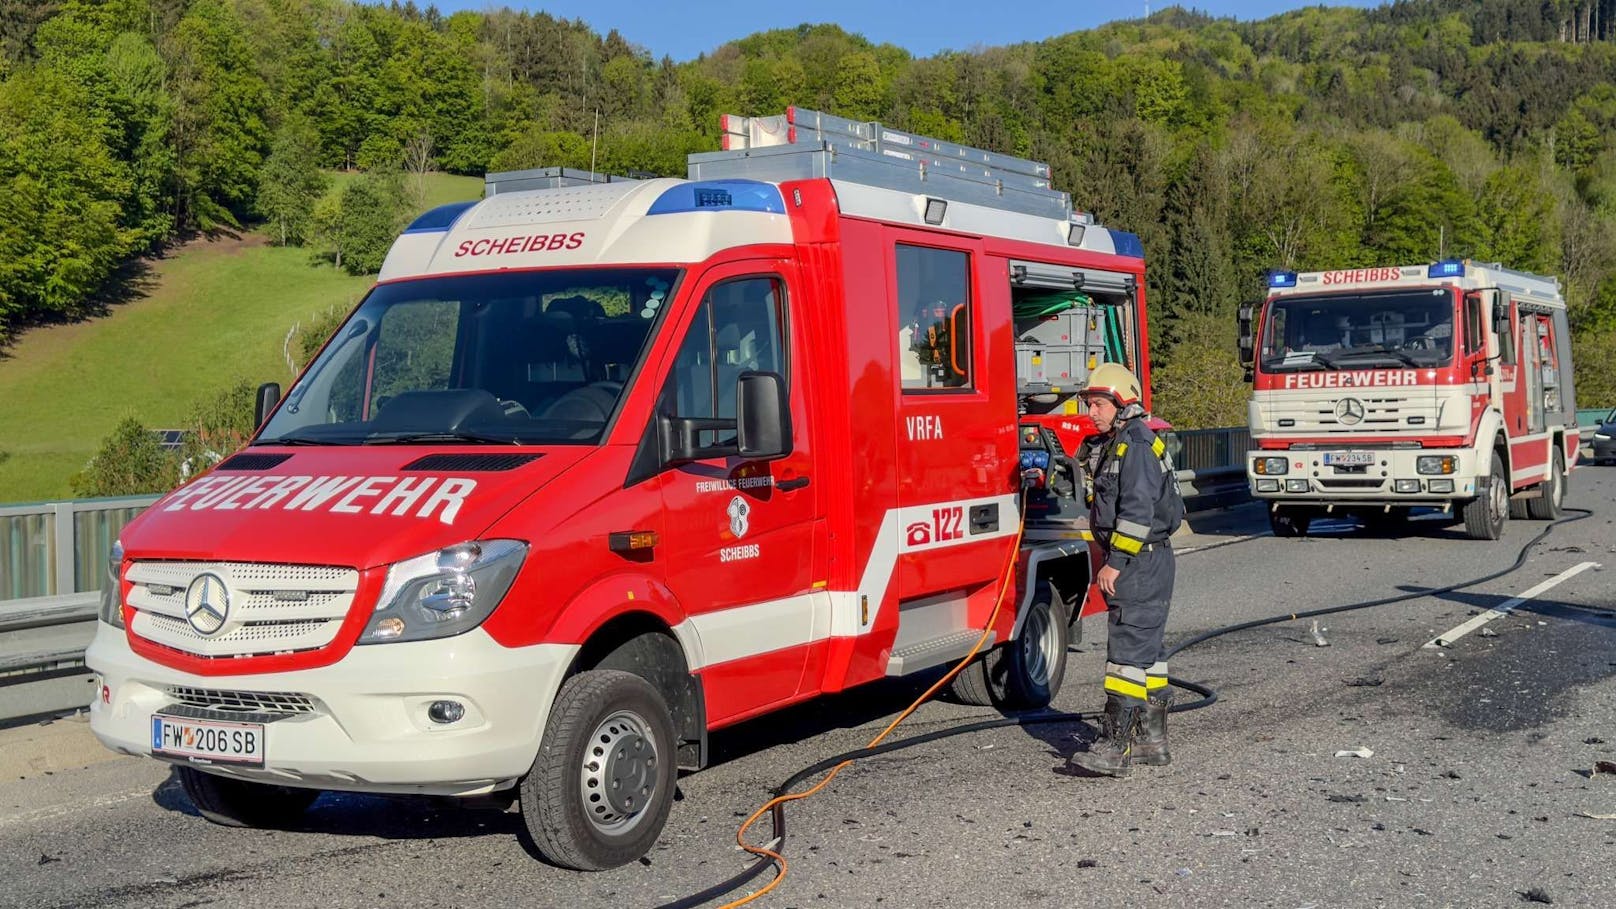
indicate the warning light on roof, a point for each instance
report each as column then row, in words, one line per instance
column 720, row 195
column 1282, row 279
column 1448, row 268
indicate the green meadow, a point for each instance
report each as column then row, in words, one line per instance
column 209, row 314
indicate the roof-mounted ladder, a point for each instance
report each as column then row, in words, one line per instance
column 802, row 144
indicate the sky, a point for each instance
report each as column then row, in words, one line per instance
column 685, row 28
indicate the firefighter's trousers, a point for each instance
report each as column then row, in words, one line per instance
column 1135, row 666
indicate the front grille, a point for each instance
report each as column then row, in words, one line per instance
column 1351, row 484
column 268, row 608
column 1381, row 413
column 241, row 701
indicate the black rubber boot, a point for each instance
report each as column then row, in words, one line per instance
column 1112, row 753
column 1151, row 749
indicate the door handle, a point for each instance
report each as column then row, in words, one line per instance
column 790, row 484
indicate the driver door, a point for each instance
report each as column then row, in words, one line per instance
column 745, row 546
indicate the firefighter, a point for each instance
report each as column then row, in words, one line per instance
column 1134, row 507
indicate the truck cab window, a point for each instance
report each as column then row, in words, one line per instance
column 414, row 349
column 739, row 328
column 934, row 318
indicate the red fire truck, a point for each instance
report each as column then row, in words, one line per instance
column 599, row 466
column 1377, row 390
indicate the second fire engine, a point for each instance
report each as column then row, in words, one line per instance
column 1377, row 390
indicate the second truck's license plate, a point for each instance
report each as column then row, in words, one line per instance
column 1349, row 458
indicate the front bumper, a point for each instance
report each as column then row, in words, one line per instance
column 1374, row 484
column 366, row 728
column 1603, row 449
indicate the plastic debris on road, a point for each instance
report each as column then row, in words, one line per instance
column 1355, row 752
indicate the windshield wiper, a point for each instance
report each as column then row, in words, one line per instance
column 1401, row 356
column 1293, row 360
column 298, row 440
column 412, row 438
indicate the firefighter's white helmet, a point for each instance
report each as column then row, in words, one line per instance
column 1114, row 381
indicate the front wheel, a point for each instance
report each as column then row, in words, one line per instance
column 1484, row 515
column 601, row 788
column 1289, row 522
column 242, row 803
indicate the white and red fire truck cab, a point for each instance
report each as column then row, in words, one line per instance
column 1445, row 385
column 598, row 468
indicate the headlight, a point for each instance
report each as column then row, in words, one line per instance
column 1601, row 437
column 444, row 593
column 112, row 587
column 1269, row 466
column 1436, row 464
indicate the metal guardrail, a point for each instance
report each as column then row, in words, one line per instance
column 53, row 559
column 48, row 601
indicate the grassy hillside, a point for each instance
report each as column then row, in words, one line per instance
column 212, row 313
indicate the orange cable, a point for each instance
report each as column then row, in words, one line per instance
column 764, row 851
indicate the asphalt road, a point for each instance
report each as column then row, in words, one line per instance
column 1481, row 789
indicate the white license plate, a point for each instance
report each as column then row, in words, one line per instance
column 231, row 743
column 1349, row 458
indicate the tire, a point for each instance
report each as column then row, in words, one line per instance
column 1549, row 505
column 1484, row 515
column 1025, row 673
column 601, row 787
column 1035, row 662
column 1289, row 522
column 231, row 802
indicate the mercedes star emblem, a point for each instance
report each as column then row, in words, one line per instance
column 1349, row 411
column 207, row 603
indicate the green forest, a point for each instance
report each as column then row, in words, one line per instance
column 1324, row 137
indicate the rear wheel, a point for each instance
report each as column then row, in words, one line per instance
column 242, row 803
column 1484, row 515
column 1025, row 673
column 1548, row 505
column 1289, row 522
column 601, row 787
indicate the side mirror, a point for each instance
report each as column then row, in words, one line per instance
column 1248, row 340
column 762, row 425
column 269, row 394
column 762, row 416
column 1500, row 315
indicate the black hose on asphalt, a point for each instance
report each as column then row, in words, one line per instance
column 1208, row 698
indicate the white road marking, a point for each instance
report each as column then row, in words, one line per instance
column 104, row 801
column 1503, row 609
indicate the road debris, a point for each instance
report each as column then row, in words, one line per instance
column 1318, row 631
column 1356, row 752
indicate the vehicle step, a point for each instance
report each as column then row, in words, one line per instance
column 935, row 652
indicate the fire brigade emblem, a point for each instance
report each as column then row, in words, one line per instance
column 207, row 603
column 738, row 511
column 1349, row 411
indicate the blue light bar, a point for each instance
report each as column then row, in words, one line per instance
column 1282, row 279
column 438, row 219
column 1447, row 268
column 1127, row 244
column 720, row 195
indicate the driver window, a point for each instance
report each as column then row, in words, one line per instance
column 739, row 328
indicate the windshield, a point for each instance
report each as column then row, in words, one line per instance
column 511, row 358
column 1393, row 329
